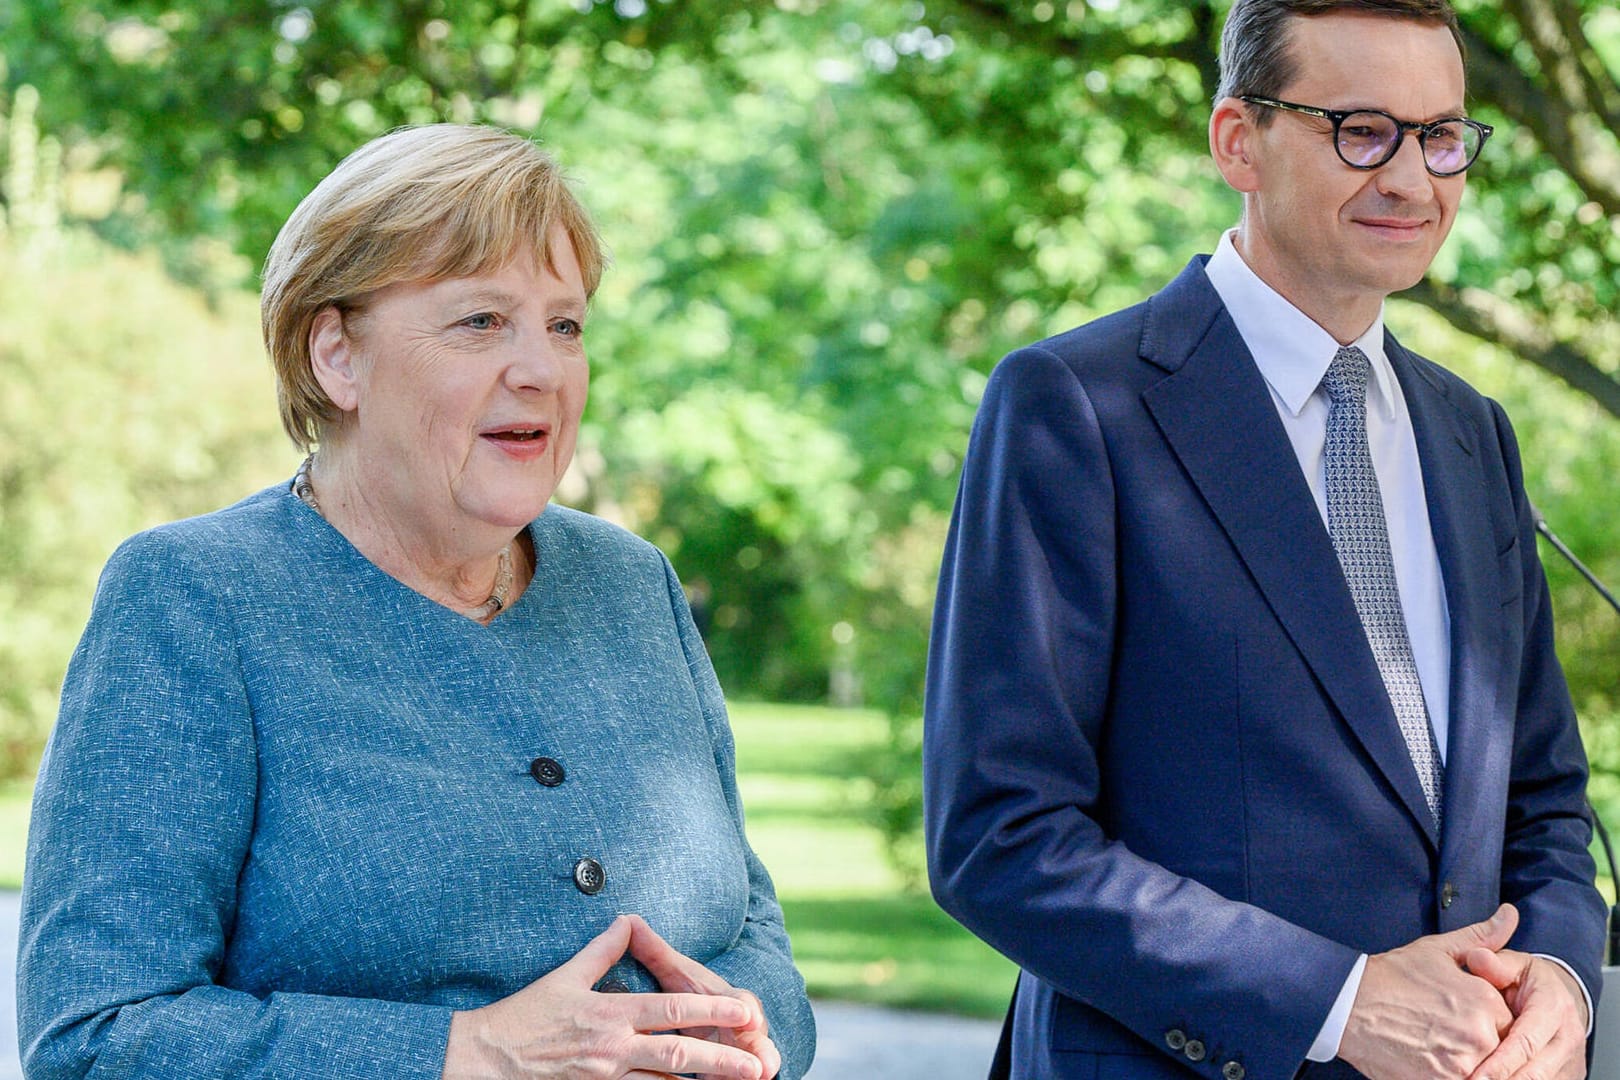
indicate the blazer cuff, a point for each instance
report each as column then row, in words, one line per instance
column 1326, row 1046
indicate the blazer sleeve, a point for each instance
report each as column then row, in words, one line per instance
column 1018, row 690
column 761, row 959
column 1547, row 867
column 143, row 817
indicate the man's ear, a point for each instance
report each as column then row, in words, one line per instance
column 1233, row 142
column 331, row 357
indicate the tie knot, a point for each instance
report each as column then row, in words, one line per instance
column 1346, row 378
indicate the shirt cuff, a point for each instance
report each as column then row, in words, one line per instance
column 1326, row 1046
column 1591, row 1015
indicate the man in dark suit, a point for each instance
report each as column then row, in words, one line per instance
column 1243, row 716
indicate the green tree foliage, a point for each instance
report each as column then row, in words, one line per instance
column 829, row 218
column 125, row 400
column 1037, row 113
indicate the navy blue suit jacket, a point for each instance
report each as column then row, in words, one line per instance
column 1161, row 772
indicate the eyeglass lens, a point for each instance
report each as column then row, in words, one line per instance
column 1368, row 139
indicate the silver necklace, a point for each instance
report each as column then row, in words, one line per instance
column 504, row 576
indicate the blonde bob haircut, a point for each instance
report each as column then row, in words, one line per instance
column 418, row 204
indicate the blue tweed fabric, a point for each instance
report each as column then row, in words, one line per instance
column 286, row 822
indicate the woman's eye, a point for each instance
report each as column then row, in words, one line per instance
column 567, row 328
column 484, row 320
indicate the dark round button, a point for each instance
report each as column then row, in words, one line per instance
column 589, row 876
column 1175, row 1038
column 1448, row 894
column 1233, row 1071
column 1194, row 1050
column 611, row 985
column 547, row 771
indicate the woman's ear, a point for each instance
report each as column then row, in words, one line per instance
column 331, row 357
column 1233, row 142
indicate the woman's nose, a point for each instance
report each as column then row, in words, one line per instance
column 537, row 365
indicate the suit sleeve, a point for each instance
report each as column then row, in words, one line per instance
column 761, row 959
column 1547, row 867
column 1017, row 705
column 143, row 816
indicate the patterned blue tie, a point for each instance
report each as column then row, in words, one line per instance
column 1360, row 535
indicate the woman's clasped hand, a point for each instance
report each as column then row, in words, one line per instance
column 559, row 1026
column 388, row 772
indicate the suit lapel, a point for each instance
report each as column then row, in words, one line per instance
column 1216, row 412
column 1448, row 447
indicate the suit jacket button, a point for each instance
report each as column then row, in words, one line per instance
column 1175, row 1038
column 1194, row 1050
column 1232, row 1071
column 589, row 877
column 547, row 771
column 1448, row 894
column 610, row 985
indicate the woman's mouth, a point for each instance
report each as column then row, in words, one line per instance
column 522, row 443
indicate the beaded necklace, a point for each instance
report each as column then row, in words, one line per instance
column 484, row 612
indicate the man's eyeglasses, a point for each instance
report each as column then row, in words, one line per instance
column 1367, row 138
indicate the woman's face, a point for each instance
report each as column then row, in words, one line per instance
column 463, row 397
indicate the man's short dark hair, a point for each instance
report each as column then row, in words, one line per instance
column 1255, row 54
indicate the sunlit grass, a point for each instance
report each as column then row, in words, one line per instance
column 15, row 796
column 896, row 950
column 858, row 935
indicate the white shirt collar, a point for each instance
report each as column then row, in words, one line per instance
column 1290, row 349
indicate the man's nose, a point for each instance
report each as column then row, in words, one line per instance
column 1406, row 175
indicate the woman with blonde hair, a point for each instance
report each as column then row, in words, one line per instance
column 397, row 770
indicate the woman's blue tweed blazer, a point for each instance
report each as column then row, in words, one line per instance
column 287, row 821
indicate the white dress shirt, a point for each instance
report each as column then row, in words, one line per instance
column 1293, row 354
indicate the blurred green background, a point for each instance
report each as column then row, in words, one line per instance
column 828, row 218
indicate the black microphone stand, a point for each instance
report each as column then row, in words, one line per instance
column 1559, row 546
column 1563, row 549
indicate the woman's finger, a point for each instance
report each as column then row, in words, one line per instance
column 674, row 970
column 680, row 1054
column 672, row 1012
column 754, row 1006
column 586, row 967
column 761, row 1046
column 665, row 961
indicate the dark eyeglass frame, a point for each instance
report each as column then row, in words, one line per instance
column 1339, row 116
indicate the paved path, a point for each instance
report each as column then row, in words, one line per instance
column 855, row 1041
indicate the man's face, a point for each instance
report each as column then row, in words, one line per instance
column 1336, row 240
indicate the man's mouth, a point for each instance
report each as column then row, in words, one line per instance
column 1394, row 222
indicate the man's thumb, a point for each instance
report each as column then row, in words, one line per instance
column 1492, row 934
column 1493, row 967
